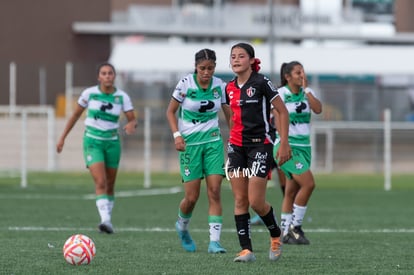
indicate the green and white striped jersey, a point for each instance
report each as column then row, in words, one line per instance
column 299, row 116
column 198, row 113
column 103, row 112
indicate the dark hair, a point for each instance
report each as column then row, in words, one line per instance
column 103, row 64
column 247, row 47
column 250, row 51
column 204, row 54
column 287, row 68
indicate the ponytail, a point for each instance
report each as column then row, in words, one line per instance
column 255, row 65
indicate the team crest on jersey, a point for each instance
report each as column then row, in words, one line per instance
column 117, row 100
column 250, row 91
column 216, row 93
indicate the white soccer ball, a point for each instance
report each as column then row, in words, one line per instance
column 79, row 249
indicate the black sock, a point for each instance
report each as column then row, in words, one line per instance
column 270, row 222
column 243, row 230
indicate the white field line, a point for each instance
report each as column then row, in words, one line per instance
column 151, row 192
column 227, row 230
column 120, row 194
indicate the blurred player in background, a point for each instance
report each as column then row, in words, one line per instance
column 250, row 148
column 198, row 98
column 101, row 143
column 300, row 101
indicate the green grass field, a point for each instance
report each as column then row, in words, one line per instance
column 355, row 227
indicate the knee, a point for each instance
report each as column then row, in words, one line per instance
column 241, row 203
column 310, row 186
column 191, row 198
column 258, row 206
column 290, row 194
column 214, row 194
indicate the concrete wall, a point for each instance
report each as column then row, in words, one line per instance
column 38, row 34
column 404, row 20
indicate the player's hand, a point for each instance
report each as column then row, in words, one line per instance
column 130, row 127
column 59, row 145
column 283, row 154
column 304, row 80
column 179, row 144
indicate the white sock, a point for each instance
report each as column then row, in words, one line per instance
column 215, row 231
column 110, row 207
column 298, row 214
column 183, row 223
column 103, row 208
column 286, row 219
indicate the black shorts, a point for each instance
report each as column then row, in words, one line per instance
column 249, row 161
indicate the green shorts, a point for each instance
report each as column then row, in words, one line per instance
column 298, row 164
column 106, row 151
column 202, row 160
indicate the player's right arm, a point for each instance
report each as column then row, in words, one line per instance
column 172, row 121
column 69, row 125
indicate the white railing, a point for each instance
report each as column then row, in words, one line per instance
column 345, row 147
column 29, row 119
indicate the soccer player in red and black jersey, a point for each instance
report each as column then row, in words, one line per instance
column 250, row 149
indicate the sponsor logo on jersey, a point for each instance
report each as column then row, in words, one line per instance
column 270, row 84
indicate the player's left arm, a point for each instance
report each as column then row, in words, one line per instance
column 131, row 126
column 314, row 103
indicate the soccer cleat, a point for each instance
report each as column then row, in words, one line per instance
column 106, row 227
column 295, row 235
column 275, row 251
column 245, row 256
column 256, row 220
column 215, row 247
column 186, row 241
column 287, row 239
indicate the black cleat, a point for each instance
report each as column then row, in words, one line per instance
column 106, row 228
column 295, row 235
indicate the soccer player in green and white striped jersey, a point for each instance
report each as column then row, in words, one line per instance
column 301, row 101
column 198, row 98
column 101, row 145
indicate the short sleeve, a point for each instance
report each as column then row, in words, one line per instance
column 270, row 91
column 83, row 99
column 180, row 91
column 127, row 103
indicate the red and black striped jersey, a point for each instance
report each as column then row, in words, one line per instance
column 251, row 110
